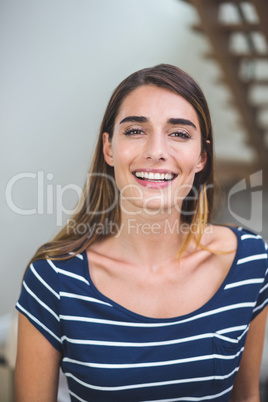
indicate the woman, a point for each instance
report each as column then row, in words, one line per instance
column 139, row 297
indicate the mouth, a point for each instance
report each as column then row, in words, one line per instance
column 156, row 177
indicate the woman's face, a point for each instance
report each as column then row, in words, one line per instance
column 155, row 149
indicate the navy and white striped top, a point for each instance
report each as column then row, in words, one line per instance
column 112, row 354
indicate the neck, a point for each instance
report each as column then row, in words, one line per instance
column 151, row 240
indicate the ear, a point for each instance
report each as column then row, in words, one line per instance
column 107, row 149
column 202, row 162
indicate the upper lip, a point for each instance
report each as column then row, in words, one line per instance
column 169, row 175
column 155, row 171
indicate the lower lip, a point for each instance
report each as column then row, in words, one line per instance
column 153, row 184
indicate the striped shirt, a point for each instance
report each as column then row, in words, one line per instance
column 112, row 354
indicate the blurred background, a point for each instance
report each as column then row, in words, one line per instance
column 61, row 60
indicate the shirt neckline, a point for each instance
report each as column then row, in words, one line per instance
column 144, row 318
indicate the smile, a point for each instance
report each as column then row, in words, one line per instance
column 154, row 177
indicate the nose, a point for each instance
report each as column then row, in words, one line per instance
column 156, row 147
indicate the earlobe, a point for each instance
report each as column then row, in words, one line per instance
column 202, row 162
column 107, row 149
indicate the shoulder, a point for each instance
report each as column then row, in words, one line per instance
column 220, row 238
column 237, row 247
column 250, row 258
column 227, row 238
column 46, row 279
column 68, row 263
column 51, row 271
column 252, row 245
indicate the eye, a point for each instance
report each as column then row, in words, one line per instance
column 181, row 134
column 133, row 131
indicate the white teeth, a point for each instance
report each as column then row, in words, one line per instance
column 154, row 176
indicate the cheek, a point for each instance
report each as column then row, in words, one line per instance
column 189, row 159
column 122, row 156
column 188, row 165
column 122, row 160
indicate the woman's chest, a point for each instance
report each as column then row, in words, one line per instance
column 170, row 292
column 113, row 354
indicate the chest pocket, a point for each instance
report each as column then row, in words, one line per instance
column 227, row 356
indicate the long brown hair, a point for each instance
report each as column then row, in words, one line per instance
column 99, row 203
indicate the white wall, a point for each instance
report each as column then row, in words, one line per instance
column 60, row 61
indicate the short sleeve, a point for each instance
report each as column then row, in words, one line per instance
column 262, row 300
column 39, row 301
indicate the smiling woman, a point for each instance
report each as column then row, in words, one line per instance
column 153, row 149
column 151, row 301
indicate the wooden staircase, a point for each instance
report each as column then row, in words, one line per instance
column 244, row 71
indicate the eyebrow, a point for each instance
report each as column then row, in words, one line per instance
column 184, row 122
column 138, row 119
column 172, row 120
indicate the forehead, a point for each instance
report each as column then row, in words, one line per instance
column 156, row 102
